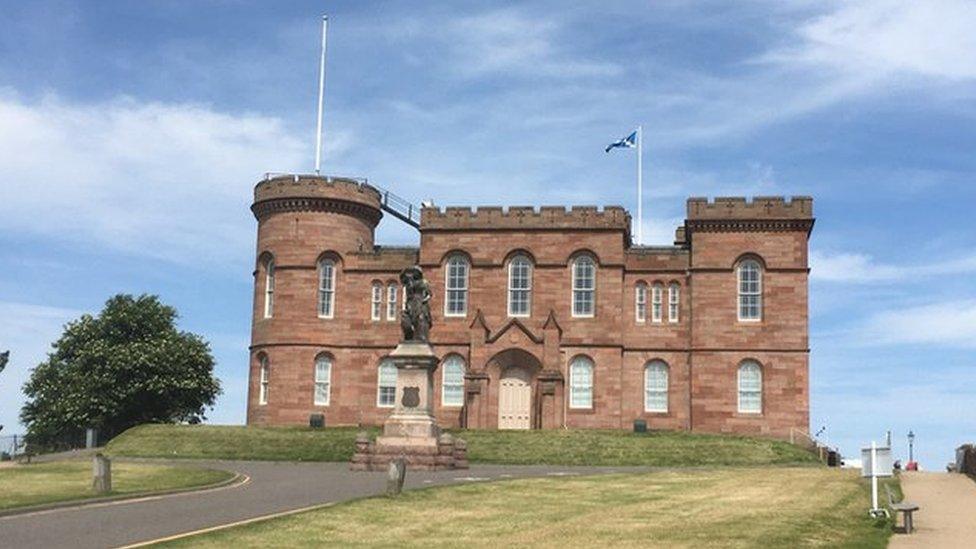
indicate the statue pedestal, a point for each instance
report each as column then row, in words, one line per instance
column 411, row 432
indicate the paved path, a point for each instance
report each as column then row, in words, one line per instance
column 272, row 488
column 947, row 511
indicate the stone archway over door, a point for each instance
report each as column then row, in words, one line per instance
column 515, row 399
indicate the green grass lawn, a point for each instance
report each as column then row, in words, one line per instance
column 730, row 507
column 557, row 447
column 26, row 485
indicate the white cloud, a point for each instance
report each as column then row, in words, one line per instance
column 510, row 41
column 147, row 178
column 934, row 38
column 948, row 323
column 862, row 268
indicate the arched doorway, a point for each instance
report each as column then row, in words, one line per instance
column 515, row 399
column 516, row 370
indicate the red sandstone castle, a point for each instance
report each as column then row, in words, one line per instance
column 543, row 318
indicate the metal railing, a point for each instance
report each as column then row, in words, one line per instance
column 398, row 207
column 12, row 446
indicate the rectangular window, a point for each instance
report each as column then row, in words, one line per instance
column 377, row 302
column 323, row 373
column 326, row 288
column 640, row 299
column 519, row 287
column 656, row 388
column 673, row 302
column 750, row 389
column 263, row 386
column 386, row 391
column 269, row 288
column 391, row 302
column 456, row 303
column 750, row 291
column 452, row 382
column 581, row 384
column 656, row 304
column 584, row 284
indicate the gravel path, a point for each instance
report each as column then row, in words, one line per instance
column 273, row 487
column 947, row 511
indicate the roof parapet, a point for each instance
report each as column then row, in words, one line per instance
column 525, row 217
column 759, row 207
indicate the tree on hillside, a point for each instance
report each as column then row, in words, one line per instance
column 126, row 366
column 4, row 357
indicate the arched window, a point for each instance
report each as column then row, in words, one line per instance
column 657, row 291
column 456, row 287
column 674, row 301
column 656, row 386
column 452, row 381
column 376, row 310
column 584, row 286
column 386, row 384
column 391, row 301
column 263, row 380
column 323, row 380
column 269, row 288
column 640, row 300
column 581, row 383
column 750, row 290
column 326, row 288
column 519, row 286
column 750, row 388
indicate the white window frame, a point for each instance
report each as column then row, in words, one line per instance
column 327, row 274
column 376, row 302
column 640, row 302
column 385, row 364
column 452, row 362
column 674, row 302
column 520, row 285
column 454, row 294
column 576, row 367
column 587, row 293
column 264, row 377
column 391, row 301
column 322, row 382
column 657, row 302
column 746, row 291
column 269, row 288
column 652, row 390
column 754, row 394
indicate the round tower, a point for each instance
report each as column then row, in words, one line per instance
column 308, row 227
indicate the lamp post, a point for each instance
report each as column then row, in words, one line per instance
column 911, row 446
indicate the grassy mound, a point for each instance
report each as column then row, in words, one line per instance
column 731, row 507
column 557, row 447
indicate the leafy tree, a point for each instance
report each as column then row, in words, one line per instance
column 126, row 366
column 4, row 356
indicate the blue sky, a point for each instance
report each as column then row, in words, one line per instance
column 132, row 133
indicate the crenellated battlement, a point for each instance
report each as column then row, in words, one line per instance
column 315, row 186
column 525, row 217
column 758, row 208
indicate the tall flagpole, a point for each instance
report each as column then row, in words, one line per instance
column 318, row 129
column 640, row 187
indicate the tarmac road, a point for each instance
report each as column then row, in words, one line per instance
column 272, row 487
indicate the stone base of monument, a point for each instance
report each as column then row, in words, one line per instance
column 411, row 432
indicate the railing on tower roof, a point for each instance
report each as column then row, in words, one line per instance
column 392, row 204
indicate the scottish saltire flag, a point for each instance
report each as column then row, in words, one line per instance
column 628, row 142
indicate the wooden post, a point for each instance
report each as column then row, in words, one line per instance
column 395, row 476
column 101, row 474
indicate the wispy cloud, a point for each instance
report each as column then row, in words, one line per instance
column 946, row 323
column 856, row 268
column 147, row 178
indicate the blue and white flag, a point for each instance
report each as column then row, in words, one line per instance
column 628, row 142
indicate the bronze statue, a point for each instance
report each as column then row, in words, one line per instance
column 415, row 319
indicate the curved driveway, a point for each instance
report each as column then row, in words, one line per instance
column 273, row 487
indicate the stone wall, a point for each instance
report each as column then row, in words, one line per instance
column 703, row 349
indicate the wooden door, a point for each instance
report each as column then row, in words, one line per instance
column 514, row 399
